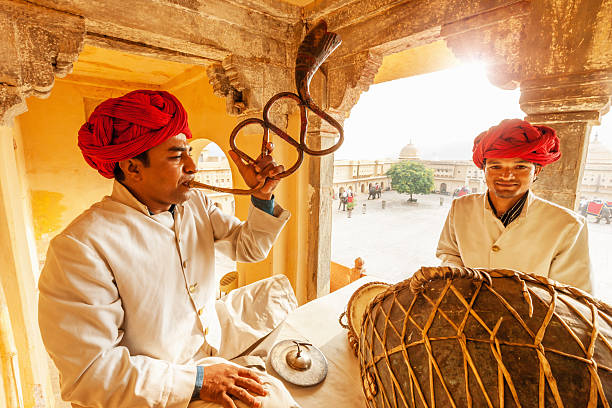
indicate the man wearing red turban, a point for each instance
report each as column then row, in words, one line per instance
column 127, row 306
column 508, row 226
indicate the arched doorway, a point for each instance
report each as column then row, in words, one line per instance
column 443, row 188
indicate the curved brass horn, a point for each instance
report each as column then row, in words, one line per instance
column 316, row 46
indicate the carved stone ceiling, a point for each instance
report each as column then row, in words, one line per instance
column 99, row 66
column 416, row 61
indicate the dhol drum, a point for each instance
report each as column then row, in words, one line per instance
column 355, row 309
column 459, row 337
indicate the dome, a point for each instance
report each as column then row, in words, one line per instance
column 409, row 152
column 598, row 153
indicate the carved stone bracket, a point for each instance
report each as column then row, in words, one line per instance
column 493, row 37
column 586, row 91
column 37, row 45
column 247, row 83
column 349, row 77
column 218, row 78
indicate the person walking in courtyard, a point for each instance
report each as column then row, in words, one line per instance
column 343, row 200
column 508, row 226
column 350, row 203
column 377, row 189
column 372, row 192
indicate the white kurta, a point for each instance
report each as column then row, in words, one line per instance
column 127, row 300
column 545, row 239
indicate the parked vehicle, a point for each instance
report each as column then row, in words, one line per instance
column 461, row 192
column 597, row 208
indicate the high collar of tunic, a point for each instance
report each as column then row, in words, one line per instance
column 523, row 212
column 124, row 196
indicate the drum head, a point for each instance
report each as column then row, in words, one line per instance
column 359, row 301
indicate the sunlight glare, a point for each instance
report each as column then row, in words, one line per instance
column 441, row 113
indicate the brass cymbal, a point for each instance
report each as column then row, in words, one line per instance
column 298, row 362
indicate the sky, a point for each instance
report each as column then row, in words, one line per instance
column 440, row 113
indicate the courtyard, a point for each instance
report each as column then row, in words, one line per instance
column 397, row 240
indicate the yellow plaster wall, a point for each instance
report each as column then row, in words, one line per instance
column 61, row 184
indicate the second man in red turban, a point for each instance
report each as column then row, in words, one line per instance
column 508, row 226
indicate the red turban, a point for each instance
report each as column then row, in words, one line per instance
column 121, row 128
column 517, row 138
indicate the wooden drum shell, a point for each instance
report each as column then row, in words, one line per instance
column 459, row 337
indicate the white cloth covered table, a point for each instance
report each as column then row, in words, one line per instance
column 317, row 322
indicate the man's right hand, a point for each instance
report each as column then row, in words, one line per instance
column 224, row 381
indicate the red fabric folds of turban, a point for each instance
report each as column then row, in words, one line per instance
column 517, row 138
column 121, row 128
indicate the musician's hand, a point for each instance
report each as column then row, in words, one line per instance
column 264, row 169
column 222, row 382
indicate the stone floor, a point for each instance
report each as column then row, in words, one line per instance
column 397, row 240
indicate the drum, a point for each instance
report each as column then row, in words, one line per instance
column 356, row 308
column 459, row 337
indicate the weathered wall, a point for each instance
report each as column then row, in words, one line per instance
column 19, row 269
column 61, row 184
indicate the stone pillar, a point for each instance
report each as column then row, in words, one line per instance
column 320, row 181
column 566, row 83
column 337, row 87
column 560, row 181
column 37, row 44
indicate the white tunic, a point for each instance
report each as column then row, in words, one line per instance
column 545, row 239
column 127, row 299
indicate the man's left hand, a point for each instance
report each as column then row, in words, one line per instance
column 264, row 168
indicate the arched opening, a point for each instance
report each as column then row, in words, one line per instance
column 363, row 188
column 214, row 169
column 445, row 157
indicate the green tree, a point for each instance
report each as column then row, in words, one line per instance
column 411, row 178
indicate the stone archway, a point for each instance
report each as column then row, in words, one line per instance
column 559, row 54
